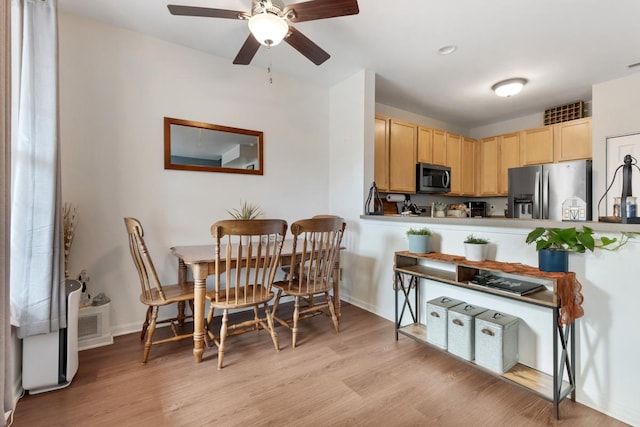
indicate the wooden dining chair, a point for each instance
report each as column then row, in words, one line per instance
column 247, row 256
column 316, row 243
column 154, row 294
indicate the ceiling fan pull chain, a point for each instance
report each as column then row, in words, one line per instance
column 269, row 66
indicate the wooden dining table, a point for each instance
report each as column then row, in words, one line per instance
column 201, row 260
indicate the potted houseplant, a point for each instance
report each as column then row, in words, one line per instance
column 554, row 245
column 439, row 208
column 419, row 240
column 246, row 211
column 475, row 248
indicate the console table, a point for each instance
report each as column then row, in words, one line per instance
column 453, row 270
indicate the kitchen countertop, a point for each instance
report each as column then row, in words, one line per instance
column 500, row 221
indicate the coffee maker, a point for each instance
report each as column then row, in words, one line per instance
column 477, row 209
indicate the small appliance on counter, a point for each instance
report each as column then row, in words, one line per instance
column 477, row 209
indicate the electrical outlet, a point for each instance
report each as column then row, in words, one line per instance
column 492, row 208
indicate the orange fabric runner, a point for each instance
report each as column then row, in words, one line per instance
column 569, row 288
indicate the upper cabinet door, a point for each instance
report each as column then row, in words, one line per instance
column 425, row 145
column 537, row 146
column 454, row 161
column 403, row 138
column 509, row 157
column 488, row 167
column 468, row 166
column 573, row 140
column 439, row 149
column 381, row 153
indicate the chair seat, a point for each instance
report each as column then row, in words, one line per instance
column 172, row 294
column 261, row 296
column 302, row 289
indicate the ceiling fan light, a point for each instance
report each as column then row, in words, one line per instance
column 509, row 87
column 268, row 29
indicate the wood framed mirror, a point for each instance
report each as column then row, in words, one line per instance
column 205, row 147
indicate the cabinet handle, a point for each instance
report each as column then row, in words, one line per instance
column 457, row 322
column 434, row 314
column 488, row 332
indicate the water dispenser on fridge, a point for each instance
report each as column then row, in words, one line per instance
column 523, row 207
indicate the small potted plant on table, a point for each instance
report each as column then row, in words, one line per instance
column 475, row 248
column 419, row 240
column 246, row 211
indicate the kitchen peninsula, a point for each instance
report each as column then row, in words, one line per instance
column 603, row 275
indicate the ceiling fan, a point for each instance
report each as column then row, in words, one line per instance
column 268, row 24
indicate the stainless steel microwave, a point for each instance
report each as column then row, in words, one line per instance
column 432, row 178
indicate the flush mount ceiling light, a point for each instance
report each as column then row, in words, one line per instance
column 509, row 87
column 269, row 29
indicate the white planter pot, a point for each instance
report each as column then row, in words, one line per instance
column 475, row 251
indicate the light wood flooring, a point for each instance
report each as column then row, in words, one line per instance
column 360, row 377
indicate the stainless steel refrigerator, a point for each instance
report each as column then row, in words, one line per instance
column 539, row 191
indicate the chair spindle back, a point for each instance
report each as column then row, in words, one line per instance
column 251, row 251
column 142, row 260
column 316, row 244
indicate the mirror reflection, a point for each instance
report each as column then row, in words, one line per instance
column 197, row 146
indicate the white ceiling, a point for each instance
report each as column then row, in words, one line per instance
column 562, row 47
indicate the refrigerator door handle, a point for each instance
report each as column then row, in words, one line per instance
column 545, row 195
column 536, row 197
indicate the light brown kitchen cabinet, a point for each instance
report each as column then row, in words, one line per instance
column 572, row 140
column 509, row 157
column 468, row 166
column 425, row 145
column 488, row 166
column 478, row 168
column 403, row 138
column 381, row 153
column 453, row 151
column 439, row 148
column 536, row 146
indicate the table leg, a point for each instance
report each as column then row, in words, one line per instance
column 182, row 279
column 200, row 273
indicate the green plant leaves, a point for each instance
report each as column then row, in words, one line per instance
column 573, row 240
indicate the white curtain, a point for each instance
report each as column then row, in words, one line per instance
column 6, row 371
column 37, row 262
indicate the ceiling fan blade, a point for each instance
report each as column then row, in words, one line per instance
column 206, row 12
column 305, row 46
column 321, row 9
column 247, row 51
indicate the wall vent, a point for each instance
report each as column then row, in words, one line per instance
column 94, row 328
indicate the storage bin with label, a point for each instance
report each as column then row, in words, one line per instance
column 437, row 320
column 496, row 341
column 461, row 330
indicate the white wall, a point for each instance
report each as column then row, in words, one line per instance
column 116, row 86
column 387, row 110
